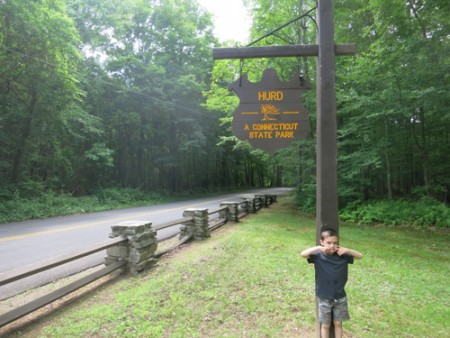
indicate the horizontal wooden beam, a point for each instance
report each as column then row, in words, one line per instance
column 19, row 273
column 172, row 223
column 59, row 293
column 278, row 51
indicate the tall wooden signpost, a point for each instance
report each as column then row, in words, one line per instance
column 327, row 198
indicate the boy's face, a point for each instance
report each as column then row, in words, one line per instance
column 331, row 244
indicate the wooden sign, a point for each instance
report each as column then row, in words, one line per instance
column 271, row 114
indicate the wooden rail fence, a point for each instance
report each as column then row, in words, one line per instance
column 132, row 247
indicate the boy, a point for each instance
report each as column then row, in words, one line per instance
column 331, row 267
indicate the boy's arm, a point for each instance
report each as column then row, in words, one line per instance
column 308, row 252
column 356, row 254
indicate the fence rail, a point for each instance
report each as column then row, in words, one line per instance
column 172, row 223
column 51, row 297
column 20, row 273
column 125, row 248
column 217, row 218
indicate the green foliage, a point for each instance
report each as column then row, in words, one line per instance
column 393, row 127
column 425, row 212
column 33, row 201
column 45, row 205
column 39, row 85
column 126, row 197
column 125, row 93
column 306, row 197
column 99, row 156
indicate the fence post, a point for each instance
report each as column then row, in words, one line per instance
column 246, row 206
column 223, row 213
column 138, row 250
column 233, row 213
column 258, row 202
column 264, row 201
column 273, row 198
column 251, row 205
column 199, row 226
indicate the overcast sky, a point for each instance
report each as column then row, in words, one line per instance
column 230, row 19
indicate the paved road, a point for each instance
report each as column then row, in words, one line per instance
column 26, row 243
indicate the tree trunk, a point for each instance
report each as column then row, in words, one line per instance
column 26, row 130
column 387, row 158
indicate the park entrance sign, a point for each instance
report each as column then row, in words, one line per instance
column 271, row 114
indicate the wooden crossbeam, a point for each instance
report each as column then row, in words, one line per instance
column 52, row 296
column 17, row 274
column 278, row 51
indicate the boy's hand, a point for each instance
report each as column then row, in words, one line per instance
column 306, row 253
column 321, row 249
column 342, row 251
column 345, row 251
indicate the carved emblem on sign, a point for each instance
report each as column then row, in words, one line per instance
column 271, row 114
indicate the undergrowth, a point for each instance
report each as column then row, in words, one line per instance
column 17, row 205
column 425, row 212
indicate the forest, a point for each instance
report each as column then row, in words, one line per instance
column 125, row 94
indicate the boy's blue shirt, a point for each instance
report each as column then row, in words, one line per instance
column 331, row 274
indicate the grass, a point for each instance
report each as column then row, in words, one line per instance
column 248, row 280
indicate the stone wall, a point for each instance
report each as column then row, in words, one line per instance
column 141, row 243
column 198, row 227
column 138, row 250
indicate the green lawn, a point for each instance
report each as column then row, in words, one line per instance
column 248, row 280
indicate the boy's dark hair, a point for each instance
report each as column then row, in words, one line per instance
column 327, row 232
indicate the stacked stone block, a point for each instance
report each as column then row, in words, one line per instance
column 198, row 227
column 223, row 214
column 187, row 229
column 138, row 250
column 245, row 207
column 264, row 200
column 251, row 202
column 233, row 212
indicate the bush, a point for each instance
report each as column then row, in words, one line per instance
column 426, row 212
column 306, row 197
column 20, row 204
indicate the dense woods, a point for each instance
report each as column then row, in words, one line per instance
column 97, row 94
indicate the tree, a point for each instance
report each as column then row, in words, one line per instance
column 39, row 88
column 395, row 106
column 158, row 58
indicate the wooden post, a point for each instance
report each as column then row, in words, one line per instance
column 326, row 50
column 326, row 191
column 327, row 206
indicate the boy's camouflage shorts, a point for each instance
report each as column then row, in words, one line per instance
column 337, row 307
